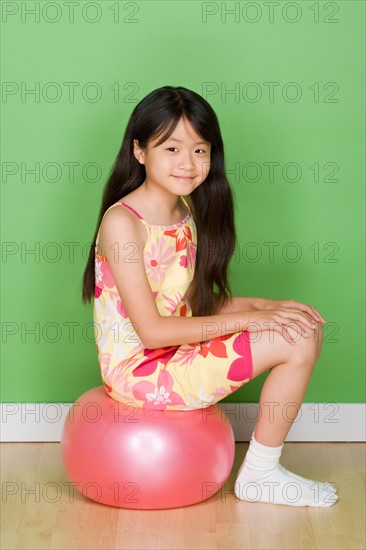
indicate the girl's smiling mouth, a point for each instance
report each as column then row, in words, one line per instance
column 184, row 178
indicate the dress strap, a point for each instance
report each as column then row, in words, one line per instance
column 113, row 206
column 120, row 203
column 133, row 210
column 139, row 215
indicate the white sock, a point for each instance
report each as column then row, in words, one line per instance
column 261, row 478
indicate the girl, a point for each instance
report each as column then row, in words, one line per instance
column 169, row 333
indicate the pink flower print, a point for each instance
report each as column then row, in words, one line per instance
column 121, row 380
column 202, row 400
column 173, row 303
column 220, row 392
column 107, row 387
column 98, row 271
column 154, row 356
column 157, row 258
column 240, row 342
column 215, row 346
column 185, row 308
column 103, row 274
column 240, row 369
column 118, row 378
column 183, row 261
column 159, row 396
column 186, row 354
column 104, row 360
column 180, row 234
column 191, row 253
column 130, row 362
column 98, row 278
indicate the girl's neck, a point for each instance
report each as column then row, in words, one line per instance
column 160, row 200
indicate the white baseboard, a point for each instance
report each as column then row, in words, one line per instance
column 315, row 421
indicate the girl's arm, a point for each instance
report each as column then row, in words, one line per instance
column 236, row 303
column 171, row 330
column 241, row 303
column 122, row 243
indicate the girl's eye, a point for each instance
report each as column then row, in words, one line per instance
column 175, row 148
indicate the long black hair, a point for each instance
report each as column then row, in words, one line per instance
column 212, row 201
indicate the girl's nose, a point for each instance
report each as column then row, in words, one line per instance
column 186, row 162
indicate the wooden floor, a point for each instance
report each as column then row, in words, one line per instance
column 39, row 511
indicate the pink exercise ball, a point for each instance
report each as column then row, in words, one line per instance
column 129, row 457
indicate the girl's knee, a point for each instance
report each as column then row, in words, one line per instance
column 273, row 348
column 308, row 349
column 318, row 336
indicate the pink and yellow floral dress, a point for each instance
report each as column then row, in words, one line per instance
column 179, row 377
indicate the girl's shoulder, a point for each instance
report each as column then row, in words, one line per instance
column 117, row 212
column 133, row 202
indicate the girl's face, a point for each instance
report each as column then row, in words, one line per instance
column 180, row 163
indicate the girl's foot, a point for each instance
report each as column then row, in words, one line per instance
column 261, row 478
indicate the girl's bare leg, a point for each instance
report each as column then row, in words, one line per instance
column 291, row 367
column 261, row 477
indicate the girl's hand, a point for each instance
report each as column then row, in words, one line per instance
column 292, row 304
column 280, row 320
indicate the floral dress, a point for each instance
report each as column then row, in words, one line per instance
column 178, row 377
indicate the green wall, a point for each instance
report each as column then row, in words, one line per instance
column 309, row 122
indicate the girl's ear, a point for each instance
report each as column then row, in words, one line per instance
column 138, row 152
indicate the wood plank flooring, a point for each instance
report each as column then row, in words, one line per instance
column 41, row 511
